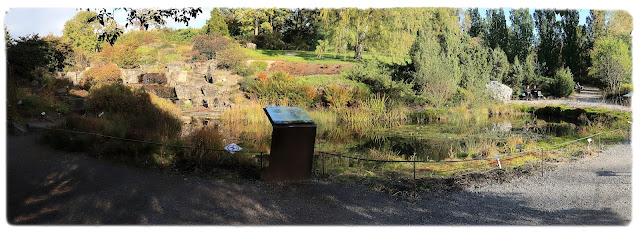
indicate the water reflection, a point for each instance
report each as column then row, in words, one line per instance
column 425, row 141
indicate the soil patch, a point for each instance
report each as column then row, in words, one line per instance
column 305, row 69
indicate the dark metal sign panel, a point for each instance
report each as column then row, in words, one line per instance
column 287, row 115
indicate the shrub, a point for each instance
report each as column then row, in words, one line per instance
column 281, row 88
column 378, row 78
column 122, row 54
column 562, row 85
column 119, row 111
column 101, row 75
column 231, row 57
column 200, row 159
column 337, row 96
column 228, row 54
column 270, row 41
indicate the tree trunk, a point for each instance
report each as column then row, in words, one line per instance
column 362, row 35
column 271, row 23
column 255, row 30
column 359, row 47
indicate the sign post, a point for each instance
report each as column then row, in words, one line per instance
column 292, row 144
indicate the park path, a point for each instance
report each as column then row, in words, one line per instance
column 590, row 97
column 45, row 186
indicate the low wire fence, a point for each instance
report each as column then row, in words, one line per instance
column 321, row 165
column 325, row 159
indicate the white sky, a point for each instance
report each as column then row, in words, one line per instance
column 30, row 17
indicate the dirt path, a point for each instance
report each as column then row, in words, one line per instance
column 52, row 187
column 589, row 97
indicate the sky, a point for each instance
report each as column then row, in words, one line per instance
column 43, row 21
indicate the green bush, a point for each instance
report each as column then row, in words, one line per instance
column 562, row 85
column 379, row 79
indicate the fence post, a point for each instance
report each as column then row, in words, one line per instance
column 261, row 156
column 322, row 153
column 414, row 171
column 542, row 162
column 599, row 145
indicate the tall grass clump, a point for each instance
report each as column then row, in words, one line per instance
column 373, row 112
column 118, row 111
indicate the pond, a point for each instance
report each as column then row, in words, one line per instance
column 435, row 140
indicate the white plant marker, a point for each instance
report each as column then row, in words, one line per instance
column 232, row 148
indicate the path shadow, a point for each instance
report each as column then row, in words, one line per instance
column 51, row 187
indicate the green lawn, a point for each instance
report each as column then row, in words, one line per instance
column 310, row 56
column 323, row 80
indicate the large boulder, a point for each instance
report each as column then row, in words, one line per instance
column 499, row 91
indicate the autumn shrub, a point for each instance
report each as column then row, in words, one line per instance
column 337, row 96
column 281, row 88
column 123, row 54
column 101, row 75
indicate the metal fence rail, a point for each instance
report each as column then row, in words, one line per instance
column 324, row 154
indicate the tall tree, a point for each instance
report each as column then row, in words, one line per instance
column 478, row 24
column 611, row 62
column 499, row 64
column 437, row 74
column 144, row 17
column 251, row 19
column 571, row 40
column 498, row 35
column 216, row 24
column 595, row 25
column 80, row 33
column 549, row 41
column 521, row 34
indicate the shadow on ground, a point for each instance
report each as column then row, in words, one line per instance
column 51, row 187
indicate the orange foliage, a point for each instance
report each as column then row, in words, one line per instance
column 107, row 74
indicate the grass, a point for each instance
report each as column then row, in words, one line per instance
column 311, row 57
column 324, row 80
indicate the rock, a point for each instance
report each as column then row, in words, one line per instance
column 251, row 46
column 499, row 91
column 153, row 78
column 62, row 90
column 505, row 126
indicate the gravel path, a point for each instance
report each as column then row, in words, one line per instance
column 51, row 187
column 590, row 97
